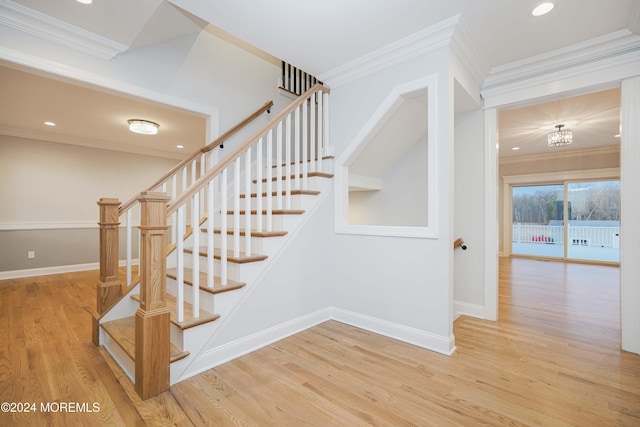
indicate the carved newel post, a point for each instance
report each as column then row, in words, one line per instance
column 109, row 288
column 152, row 318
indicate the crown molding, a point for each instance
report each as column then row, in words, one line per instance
column 599, row 151
column 56, row 31
column 614, row 56
column 464, row 46
column 403, row 50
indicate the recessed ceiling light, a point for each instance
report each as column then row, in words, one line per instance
column 515, row 148
column 542, row 9
column 85, row 1
column 179, row 146
column 145, row 127
column 49, row 123
column 617, row 136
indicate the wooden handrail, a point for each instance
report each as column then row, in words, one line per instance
column 237, row 127
column 459, row 243
column 219, row 140
column 224, row 163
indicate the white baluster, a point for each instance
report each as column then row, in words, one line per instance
column 279, row 166
column 203, row 170
column 247, row 202
column 296, row 157
column 326, row 143
column 259, row 185
column 236, row 208
column 223, row 227
column 313, row 133
column 180, row 265
column 305, row 157
column 287, row 141
column 320, row 130
column 195, row 266
column 210, row 225
column 194, row 169
column 269, row 180
column 174, row 232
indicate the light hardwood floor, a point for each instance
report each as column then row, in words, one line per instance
column 552, row 359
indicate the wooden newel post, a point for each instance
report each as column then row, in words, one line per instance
column 152, row 318
column 109, row 288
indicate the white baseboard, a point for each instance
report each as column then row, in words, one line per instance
column 57, row 269
column 429, row 341
column 224, row 353
column 467, row 309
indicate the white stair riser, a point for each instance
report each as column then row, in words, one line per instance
column 206, row 298
column 313, row 183
column 246, row 272
column 298, row 201
column 127, row 364
column 259, row 245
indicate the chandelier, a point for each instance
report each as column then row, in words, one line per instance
column 144, row 127
column 560, row 137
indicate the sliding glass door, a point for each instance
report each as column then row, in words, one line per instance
column 538, row 220
column 591, row 230
column 594, row 221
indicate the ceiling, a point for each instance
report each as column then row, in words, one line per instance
column 90, row 117
column 316, row 39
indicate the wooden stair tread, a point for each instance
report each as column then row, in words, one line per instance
column 218, row 287
column 293, row 176
column 293, row 193
column 189, row 321
column 238, row 260
column 254, row 233
column 273, row 211
column 123, row 332
column 308, row 161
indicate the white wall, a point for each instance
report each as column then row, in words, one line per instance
column 296, row 286
column 405, row 282
column 402, row 201
column 469, row 212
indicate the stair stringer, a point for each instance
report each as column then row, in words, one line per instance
column 199, row 361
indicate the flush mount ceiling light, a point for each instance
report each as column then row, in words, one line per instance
column 85, row 1
column 560, row 137
column 144, row 127
column 542, row 9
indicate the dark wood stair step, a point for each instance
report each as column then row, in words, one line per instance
column 123, row 332
column 218, row 287
column 242, row 259
column 254, row 233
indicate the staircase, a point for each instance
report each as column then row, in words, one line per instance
column 209, row 231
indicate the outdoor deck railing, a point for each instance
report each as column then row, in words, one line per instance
column 607, row 237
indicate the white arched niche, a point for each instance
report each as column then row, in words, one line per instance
column 385, row 179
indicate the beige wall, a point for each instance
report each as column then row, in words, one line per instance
column 48, row 196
